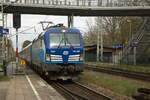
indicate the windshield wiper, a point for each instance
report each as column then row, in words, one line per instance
column 60, row 43
column 69, row 43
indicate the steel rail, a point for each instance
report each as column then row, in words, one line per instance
column 63, row 91
column 72, row 97
column 78, row 96
column 82, row 92
column 107, row 97
column 121, row 72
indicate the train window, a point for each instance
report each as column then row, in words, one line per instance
column 61, row 39
column 56, row 39
column 73, row 39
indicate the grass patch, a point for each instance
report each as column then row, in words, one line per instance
column 19, row 71
column 118, row 85
column 4, row 78
column 138, row 68
column 1, row 67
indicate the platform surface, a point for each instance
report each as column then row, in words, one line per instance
column 28, row 87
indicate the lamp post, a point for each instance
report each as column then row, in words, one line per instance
column 101, row 43
column 130, row 30
column 132, row 43
column 98, row 43
column 129, row 37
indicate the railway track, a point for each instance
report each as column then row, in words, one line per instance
column 76, row 91
column 120, row 72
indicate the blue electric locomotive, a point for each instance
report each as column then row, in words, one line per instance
column 58, row 53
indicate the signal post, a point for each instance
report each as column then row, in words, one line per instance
column 16, row 25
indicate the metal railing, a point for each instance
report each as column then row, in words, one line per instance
column 92, row 3
column 138, row 36
column 136, row 39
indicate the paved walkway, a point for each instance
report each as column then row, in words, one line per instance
column 27, row 87
column 3, row 89
column 19, row 89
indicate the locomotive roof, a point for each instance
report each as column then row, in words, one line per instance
column 59, row 29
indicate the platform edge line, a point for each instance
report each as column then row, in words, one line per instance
column 33, row 88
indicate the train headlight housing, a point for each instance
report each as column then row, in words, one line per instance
column 63, row 30
column 48, row 57
column 81, row 57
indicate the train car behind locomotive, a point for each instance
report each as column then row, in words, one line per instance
column 58, row 53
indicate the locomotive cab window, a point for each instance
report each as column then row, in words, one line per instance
column 72, row 39
column 56, row 39
column 64, row 39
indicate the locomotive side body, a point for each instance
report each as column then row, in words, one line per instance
column 25, row 54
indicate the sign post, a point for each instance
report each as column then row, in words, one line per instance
column 134, row 45
column 134, row 55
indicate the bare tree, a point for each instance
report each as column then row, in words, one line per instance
column 114, row 29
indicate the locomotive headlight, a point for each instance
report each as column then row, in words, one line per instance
column 81, row 57
column 48, row 57
column 63, row 30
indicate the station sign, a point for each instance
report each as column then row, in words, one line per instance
column 134, row 45
column 118, row 45
column 3, row 31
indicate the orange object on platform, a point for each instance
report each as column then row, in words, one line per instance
column 22, row 63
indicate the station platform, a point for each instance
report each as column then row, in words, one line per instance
column 28, row 86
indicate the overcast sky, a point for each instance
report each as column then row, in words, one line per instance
column 28, row 21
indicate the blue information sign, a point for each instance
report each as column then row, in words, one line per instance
column 1, row 31
column 5, row 31
column 118, row 45
column 134, row 45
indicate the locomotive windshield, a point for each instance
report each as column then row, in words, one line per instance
column 56, row 39
column 64, row 39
